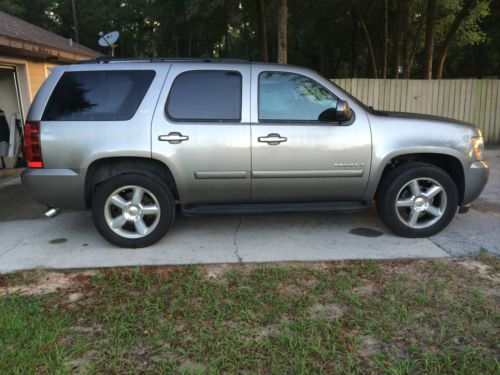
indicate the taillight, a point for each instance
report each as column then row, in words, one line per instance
column 32, row 145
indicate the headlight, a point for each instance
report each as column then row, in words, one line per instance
column 478, row 145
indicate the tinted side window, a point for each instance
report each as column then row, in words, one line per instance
column 106, row 95
column 205, row 95
column 292, row 97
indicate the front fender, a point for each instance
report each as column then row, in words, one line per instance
column 380, row 162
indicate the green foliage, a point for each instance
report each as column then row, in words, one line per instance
column 11, row 8
column 323, row 35
column 470, row 31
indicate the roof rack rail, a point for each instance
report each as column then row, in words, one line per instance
column 112, row 60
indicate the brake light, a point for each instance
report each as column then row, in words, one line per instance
column 32, row 144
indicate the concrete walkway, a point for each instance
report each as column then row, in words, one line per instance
column 29, row 240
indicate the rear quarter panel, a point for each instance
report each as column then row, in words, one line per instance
column 76, row 144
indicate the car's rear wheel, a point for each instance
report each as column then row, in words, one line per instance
column 417, row 199
column 133, row 210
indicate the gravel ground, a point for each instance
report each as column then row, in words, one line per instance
column 479, row 229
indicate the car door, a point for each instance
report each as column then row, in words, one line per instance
column 201, row 131
column 296, row 157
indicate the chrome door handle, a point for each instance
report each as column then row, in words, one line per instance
column 273, row 139
column 173, row 138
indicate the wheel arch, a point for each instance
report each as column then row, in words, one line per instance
column 449, row 163
column 101, row 170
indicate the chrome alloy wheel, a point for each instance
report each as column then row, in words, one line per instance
column 132, row 211
column 421, row 203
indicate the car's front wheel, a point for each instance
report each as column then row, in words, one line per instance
column 133, row 210
column 417, row 199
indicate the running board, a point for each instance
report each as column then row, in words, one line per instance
column 259, row 208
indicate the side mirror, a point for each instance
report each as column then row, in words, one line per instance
column 343, row 112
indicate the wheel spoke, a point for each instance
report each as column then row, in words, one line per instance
column 434, row 211
column 412, row 220
column 432, row 191
column 138, row 194
column 136, row 219
column 150, row 210
column 408, row 202
column 118, row 222
column 140, row 227
column 415, row 188
column 118, row 201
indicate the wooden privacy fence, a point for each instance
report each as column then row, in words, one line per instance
column 473, row 100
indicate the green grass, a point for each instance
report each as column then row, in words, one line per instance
column 432, row 317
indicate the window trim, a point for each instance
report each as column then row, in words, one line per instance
column 298, row 122
column 92, row 71
column 204, row 121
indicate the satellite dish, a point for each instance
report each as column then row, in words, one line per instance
column 109, row 40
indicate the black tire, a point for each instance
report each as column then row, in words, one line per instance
column 394, row 180
column 156, row 186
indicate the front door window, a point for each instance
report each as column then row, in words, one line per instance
column 291, row 97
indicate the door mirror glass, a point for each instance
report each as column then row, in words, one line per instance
column 343, row 111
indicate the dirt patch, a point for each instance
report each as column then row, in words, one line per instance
column 49, row 282
column 291, row 289
column 90, row 330
column 369, row 346
column 329, row 311
column 266, row 331
column 215, row 272
column 79, row 365
column 218, row 272
column 270, row 329
column 190, row 367
column 481, row 269
column 492, row 292
column 74, row 297
column 365, row 290
column 163, row 271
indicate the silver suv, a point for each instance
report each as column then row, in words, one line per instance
column 131, row 139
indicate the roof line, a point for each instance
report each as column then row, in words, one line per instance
column 112, row 60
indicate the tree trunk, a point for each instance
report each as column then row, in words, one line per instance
column 400, row 34
column 479, row 58
column 429, row 37
column 175, row 38
column 353, row 73
column 410, row 52
column 247, row 39
column 386, row 32
column 368, row 40
column 261, row 30
column 75, row 20
column 153, row 43
column 226, row 43
column 282, row 32
column 460, row 16
column 396, row 54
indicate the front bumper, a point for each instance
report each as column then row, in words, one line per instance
column 476, row 177
column 61, row 188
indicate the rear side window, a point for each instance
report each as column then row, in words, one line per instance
column 205, row 95
column 106, row 95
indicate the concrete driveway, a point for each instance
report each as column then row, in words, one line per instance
column 29, row 240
